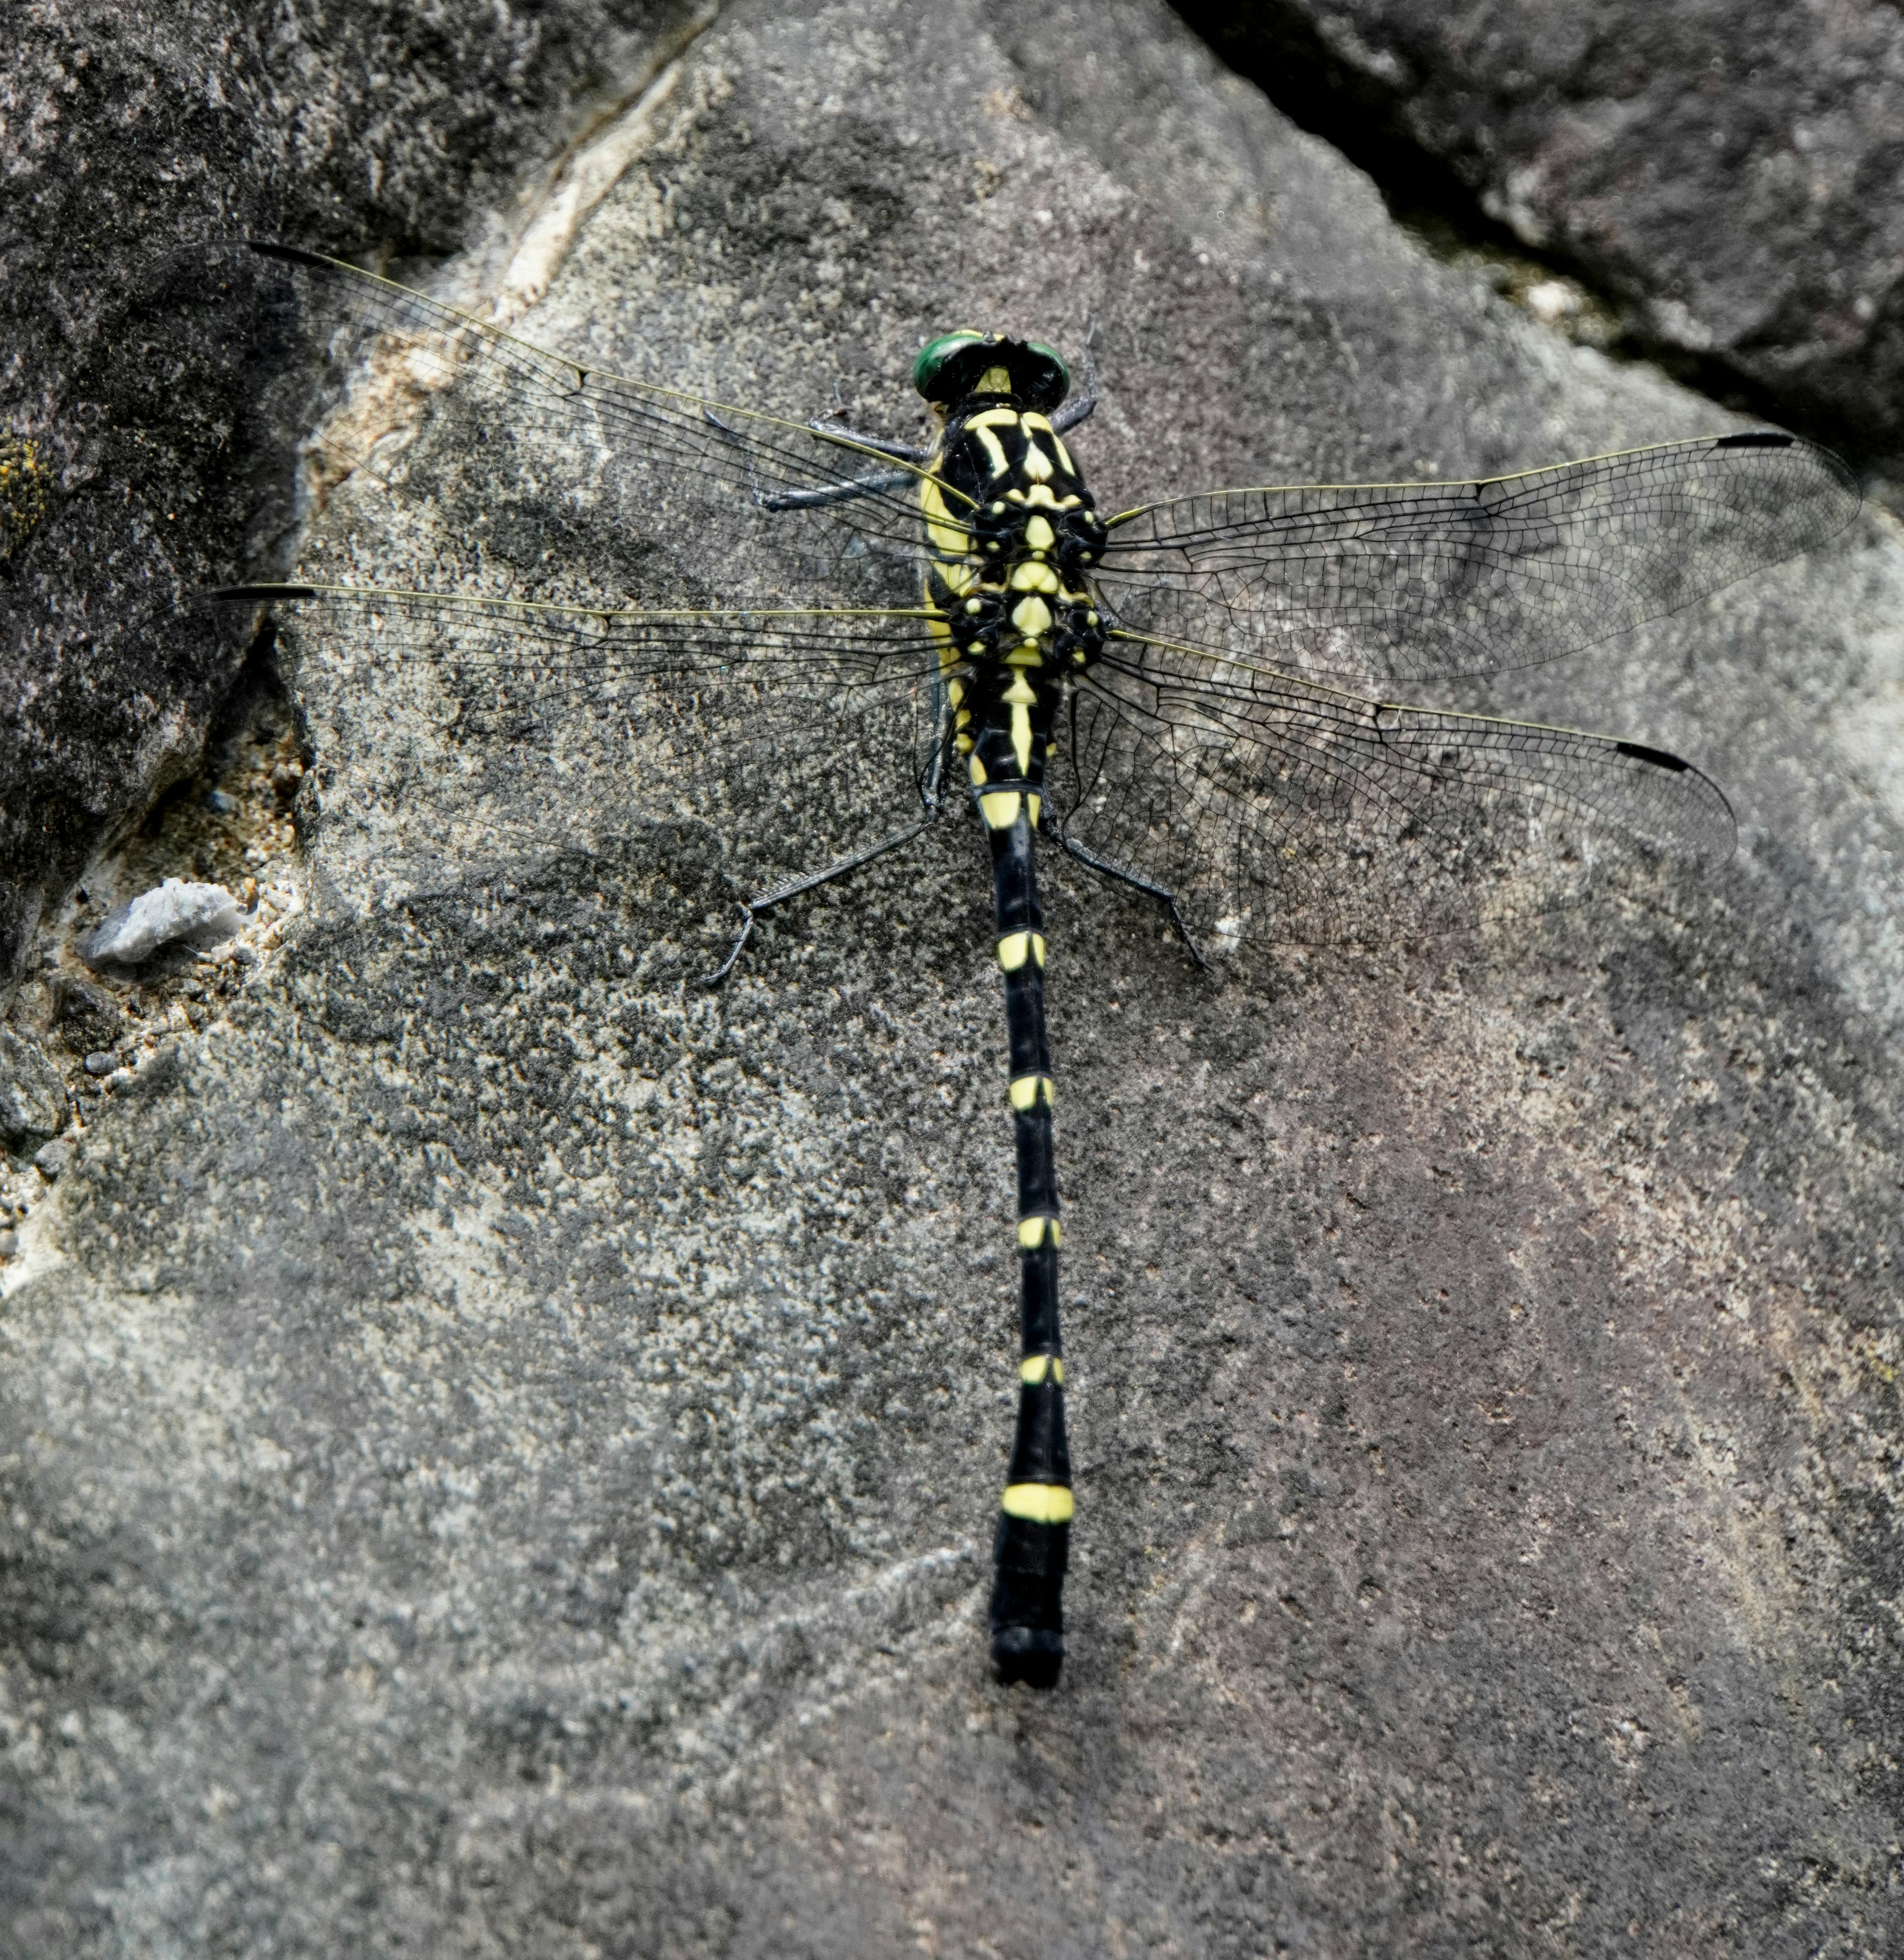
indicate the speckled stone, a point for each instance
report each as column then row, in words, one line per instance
column 1729, row 171
column 499, row 1444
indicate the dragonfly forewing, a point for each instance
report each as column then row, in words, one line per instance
column 1426, row 581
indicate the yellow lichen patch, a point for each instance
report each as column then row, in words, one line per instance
column 1040, row 1504
column 23, row 492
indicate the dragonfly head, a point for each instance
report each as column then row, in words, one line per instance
column 957, row 367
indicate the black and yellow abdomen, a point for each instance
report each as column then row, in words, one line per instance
column 1013, row 532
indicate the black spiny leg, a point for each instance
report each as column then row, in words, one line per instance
column 1033, row 1543
column 1106, row 868
column 843, row 492
column 807, row 881
column 858, row 486
column 1075, row 410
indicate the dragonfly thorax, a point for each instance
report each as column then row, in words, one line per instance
column 1012, row 531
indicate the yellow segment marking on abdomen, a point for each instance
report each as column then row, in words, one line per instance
column 1013, row 947
column 1000, row 809
column 1034, row 1368
column 1029, row 1090
column 1040, row 1504
column 1032, row 1233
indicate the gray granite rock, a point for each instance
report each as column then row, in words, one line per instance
column 1734, row 174
column 127, row 469
column 32, row 1099
column 499, row 1444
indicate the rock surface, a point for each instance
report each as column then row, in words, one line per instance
column 134, row 471
column 1734, row 174
column 498, row 1443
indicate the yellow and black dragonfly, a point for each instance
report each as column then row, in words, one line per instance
column 830, row 630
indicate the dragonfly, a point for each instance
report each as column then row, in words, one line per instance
column 1191, row 698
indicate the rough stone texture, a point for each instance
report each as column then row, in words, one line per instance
column 136, row 471
column 499, row 1444
column 32, row 1099
column 1734, row 174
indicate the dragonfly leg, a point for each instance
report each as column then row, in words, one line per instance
column 835, row 493
column 1105, row 867
column 806, row 881
column 842, row 492
column 904, row 451
column 1075, row 410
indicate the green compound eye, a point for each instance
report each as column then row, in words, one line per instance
column 934, row 355
column 1057, row 361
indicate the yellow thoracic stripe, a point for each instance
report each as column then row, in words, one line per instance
column 1042, row 1503
column 994, row 449
column 1036, row 1368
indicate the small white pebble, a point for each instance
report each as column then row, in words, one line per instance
column 201, row 914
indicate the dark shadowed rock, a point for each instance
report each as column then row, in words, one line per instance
column 1734, row 174
column 144, row 447
column 499, row 1444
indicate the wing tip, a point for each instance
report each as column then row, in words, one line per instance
column 291, row 255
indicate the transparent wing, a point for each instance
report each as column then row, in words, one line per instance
column 748, row 490
column 782, row 738
column 1277, row 810
column 1409, row 581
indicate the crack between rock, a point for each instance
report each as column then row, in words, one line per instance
column 1358, row 115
